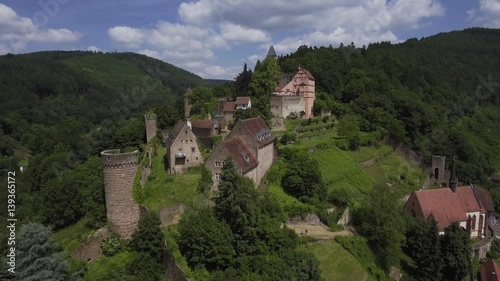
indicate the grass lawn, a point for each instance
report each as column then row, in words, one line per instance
column 398, row 172
column 336, row 263
column 163, row 190
column 366, row 153
column 74, row 235
column 338, row 169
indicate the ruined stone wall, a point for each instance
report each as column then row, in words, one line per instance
column 151, row 126
column 91, row 249
column 438, row 166
column 119, row 173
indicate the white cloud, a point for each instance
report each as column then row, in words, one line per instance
column 17, row 32
column 209, row 27
column 129, row 36
column 234, row 32
column 487, row 14
column 93, row 49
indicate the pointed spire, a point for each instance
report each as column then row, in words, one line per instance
column 271, row 53
column 453, row 183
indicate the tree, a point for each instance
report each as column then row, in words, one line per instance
column 349, row 127
column 204, row 241
column 455, row 251
column 303, row 177
column 148, row 238
column 235, row 203
column 63, row 202
column 90, row 180
column 381, row 221
column 166, row 116
column 242, row 82
column 264, row 81
column 206, row 180
column 38, row 257
column 203, row 101
column 423, row 247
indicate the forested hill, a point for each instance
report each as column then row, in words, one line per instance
column 83, row 101
column 439, row 95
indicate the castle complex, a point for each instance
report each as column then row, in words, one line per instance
column 119, row 172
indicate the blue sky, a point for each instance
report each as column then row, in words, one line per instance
column 213, row 38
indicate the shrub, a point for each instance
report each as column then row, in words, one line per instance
column 112, row 245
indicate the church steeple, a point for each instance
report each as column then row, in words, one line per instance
column 453, row 182
column 272, row 53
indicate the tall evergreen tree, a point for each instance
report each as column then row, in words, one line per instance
column 264, row 81
column 38, row 256
column 455, row 250
column 423, row 247
column 148, row 238
column 235, row 204
column 242, row 82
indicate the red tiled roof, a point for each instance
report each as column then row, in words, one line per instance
column 241, row 154
column 257, row 128
column 172, row 135
column 229, row 106
column 447, row 207
column 202, row 123
column 242, row 100
column 490, row 271
column 484, row 198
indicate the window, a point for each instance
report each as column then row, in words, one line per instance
column 217, row 176
column 193, row 149
column 217, row 164
column 191, row 141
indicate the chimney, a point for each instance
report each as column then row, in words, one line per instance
column 453, row 182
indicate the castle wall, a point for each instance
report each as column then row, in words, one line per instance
column 151, row 126
column 186, row 144
column 119, row 173
column 265, row 156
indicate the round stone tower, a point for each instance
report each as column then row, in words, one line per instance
column 150, row 126
column 119, row 173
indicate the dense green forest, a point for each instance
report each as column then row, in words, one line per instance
column 60, row 109
column 438, row 95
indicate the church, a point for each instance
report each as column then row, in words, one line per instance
column 471, row 206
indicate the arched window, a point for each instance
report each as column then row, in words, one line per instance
column 473, row 226
column 480, row 228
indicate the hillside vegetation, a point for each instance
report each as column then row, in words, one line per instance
column 438, row 95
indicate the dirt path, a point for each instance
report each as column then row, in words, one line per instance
column 317, row 231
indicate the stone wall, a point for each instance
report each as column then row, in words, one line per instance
column 151, row 126
column 265, row 156
column 174, row 271
column 119, row 173
column 91, row 249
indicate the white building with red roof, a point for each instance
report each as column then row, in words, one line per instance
column 471, row 206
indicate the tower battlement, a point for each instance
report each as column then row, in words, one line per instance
column 150, row 116
column 113, row 158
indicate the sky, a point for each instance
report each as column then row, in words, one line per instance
column 214, row 38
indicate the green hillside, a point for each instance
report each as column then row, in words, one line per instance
column 434, row 94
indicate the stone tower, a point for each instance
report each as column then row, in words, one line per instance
column 187, row 105
column 119, row 173
column 150, row 126
column 272, row 53
column 438, row 172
